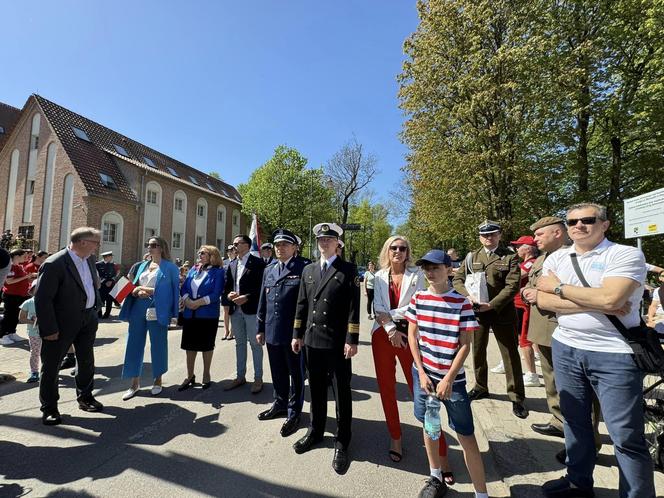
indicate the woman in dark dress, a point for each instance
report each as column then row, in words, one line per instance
column 201, row 293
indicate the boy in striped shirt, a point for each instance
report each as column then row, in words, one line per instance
column 441, row 323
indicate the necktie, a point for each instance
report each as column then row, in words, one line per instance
column 281, row 268
column 323, row 269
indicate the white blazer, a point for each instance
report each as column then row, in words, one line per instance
column 413, row 281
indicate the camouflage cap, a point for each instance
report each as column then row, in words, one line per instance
column 547, row 221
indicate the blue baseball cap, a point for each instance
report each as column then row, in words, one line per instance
column 436, row 257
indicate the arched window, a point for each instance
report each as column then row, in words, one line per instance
column 32, row 169
column 221, row 228
column 179, row 225
column 45, row 230
column 112, row 230
column 236, row 223
column 67, row 202
column 201, row 222
column 152, row 220
column 11, row 190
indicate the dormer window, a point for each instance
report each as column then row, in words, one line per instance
column 108, row 181
column 121, row 150
column 2, row 130
column 172, row 171
column 193, row 180
column 149, row 162
column 210, row 187
column 80, row 134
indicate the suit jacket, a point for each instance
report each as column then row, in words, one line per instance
column 328, row 306
column 276, row 306
column 542, row 322
column 503, row 278
column 250, row 283
column 413, row 281
column 166, row 297
column 60, row 299
column 211, row 287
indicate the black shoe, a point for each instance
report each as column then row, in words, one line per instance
column 206, row 385
column 561, row 456
column 187, row 383
column 476, row 394
column 290, row 426
column 106, row 316
column 272, row 412
column 562, row 488
column 51, row 418
column 68, row 362
column 519, row 410
column 547, row 430
column 434, row 488
column 307, row 442
column 340, row 461
column 89, row 404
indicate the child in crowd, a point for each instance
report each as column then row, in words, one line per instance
column 29, row 316
column 439, row 336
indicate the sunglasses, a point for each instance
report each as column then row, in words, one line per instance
column 235, row 244
column 203, row 253
column 588, row 220
column 151, row 246
column 398, row 248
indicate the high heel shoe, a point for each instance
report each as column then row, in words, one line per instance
column 187, row 383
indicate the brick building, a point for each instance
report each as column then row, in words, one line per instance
column 60, row 170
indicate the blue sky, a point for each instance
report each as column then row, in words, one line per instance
column 219, row 84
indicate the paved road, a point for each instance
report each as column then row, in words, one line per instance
column 210, row 443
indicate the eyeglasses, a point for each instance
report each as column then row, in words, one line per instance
column 235, row 244
column 398, row 248
column 588, row 220
column 203, row 253
column 151, row 245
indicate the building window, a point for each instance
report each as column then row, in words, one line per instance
column 220, row 216
column 27, row 232
column 121, row 150
column 110, row 232
column 152, row 197
column 201, row 210
column 31, row 187
column 80, row 134
column 177, row 240
column 34, row 142
column 149, row 233
column 2, row 130
column 172, row 171
column 149, row 162
column 179, row 204
column 199, row 241
column 220, row 245
column 210, row 187
column 235, row 220
column 107, row 181
column 193, row 180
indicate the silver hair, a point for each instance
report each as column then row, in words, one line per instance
column 599, row 209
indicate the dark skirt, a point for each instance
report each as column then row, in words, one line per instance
column 199, row 334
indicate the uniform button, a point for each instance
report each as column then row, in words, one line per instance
column 315, row 300
column 324, row 312
column 314, row 312
column 276, row 312
column 324, row 325
column 324, row 299
column 313, row 324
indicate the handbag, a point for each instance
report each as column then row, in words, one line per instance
column 647, row 351
column 475, row 282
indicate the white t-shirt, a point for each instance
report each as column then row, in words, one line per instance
column 655, row 299
column 593, row 331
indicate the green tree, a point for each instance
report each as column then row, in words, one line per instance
column 285, row 194
column 366, row 244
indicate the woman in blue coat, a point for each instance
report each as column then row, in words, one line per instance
column 201, row 294
column 149, row 309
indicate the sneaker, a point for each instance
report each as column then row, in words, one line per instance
column 16, row 338
column 6, row 341
column 34, row 377
column 499, row 369
column 531, row 379
column 538, row 361
column 433, row 488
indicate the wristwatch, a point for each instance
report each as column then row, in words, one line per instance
column 558, row 291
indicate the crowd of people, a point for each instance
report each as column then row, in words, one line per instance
column 546, row 298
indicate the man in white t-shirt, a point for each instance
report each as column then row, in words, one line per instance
column 590, row 354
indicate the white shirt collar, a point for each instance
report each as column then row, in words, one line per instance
column 598, row 249
column 328, row 261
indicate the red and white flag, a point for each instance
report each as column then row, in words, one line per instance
column 121, row 289
column 255, row 236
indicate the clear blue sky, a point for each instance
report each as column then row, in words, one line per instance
column 219, row 84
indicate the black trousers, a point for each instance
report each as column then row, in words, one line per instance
column 106, row 299
column 10, row 318
column 323, row 364
column 287, row 369
column 52, row 353
column 370, row 298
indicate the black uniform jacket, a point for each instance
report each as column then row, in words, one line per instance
column 276, row 307
column 328, row 307
column 250, row 283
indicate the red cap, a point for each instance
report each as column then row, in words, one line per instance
column 526, row 240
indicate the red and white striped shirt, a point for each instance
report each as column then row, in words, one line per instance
column 440, row 319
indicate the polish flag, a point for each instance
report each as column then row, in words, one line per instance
column 255, row 236
column 121, row 289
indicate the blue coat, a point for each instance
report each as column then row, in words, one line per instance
column 211, row 286
column 166, row 295
column 278, row 300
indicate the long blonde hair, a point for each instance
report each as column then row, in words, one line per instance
column 215, row 255
column 384, row 258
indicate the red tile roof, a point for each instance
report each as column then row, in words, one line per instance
column 8, row 117
column 99, row 156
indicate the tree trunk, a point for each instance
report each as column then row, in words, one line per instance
column 614, row 179
column 583, row 123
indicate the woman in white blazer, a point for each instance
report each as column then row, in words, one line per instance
column 394, row 286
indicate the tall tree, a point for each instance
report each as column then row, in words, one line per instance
column 350, row 170
column 367, row 242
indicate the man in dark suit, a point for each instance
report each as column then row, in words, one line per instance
column 242, row 288
column 267, row 253
column 66, row 303
column 276, row 313
column 327, row 323
column 503, row 276
column 107, row 274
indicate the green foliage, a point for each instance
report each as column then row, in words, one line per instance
column 366, row 244
column 285, row 194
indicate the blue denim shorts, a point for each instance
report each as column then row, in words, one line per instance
column 459, row 414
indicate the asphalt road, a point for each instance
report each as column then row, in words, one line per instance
column 210, row 443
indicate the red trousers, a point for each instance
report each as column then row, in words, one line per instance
column 385, row 361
